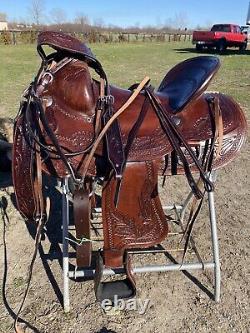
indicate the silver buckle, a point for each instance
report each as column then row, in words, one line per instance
column 108, row 99
column 46, row 78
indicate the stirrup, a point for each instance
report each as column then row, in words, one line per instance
column 111, row 290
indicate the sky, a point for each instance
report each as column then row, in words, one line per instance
column 141, row 13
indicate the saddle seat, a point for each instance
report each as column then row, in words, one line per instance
column 187, row 80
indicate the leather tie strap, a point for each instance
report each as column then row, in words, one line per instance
column 218, row 125
column 81, row 207
column 114, row 146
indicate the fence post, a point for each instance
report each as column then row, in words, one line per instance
column 14, row 37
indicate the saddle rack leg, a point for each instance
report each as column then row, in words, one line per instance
column 65, row 220
column 214, row 236
column 215, row 245
column 215, row 264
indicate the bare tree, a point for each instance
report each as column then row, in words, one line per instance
column 37, row 11
column 3, row 17
column 58, row 16
column 180, row 20
column 99, row 22
column 82, row 20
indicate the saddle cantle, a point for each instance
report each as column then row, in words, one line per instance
column 67, row 116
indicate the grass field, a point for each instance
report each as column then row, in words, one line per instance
column 124, row 64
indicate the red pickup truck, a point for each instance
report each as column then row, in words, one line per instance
column 221, row 36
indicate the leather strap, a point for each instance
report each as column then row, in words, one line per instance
column 131, row 136
column 41, row 219
column 209, row 156
column 134, row 130
column 114, row 146
column 81, row 207
column 176, row 139
column 109, row 123
column 218, row 125
column 38, row 191
column 100, row 107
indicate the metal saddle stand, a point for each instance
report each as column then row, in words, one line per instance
column 179, row 211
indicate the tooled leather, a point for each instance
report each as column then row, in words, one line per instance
column 151, row 142
column 74, row 96
column 235, row 133
column 22, row 161
column 63, row 42
column 139, row 219
column 194, row 125
column 148, row 147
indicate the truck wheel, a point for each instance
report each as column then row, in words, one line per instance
column 199, row 47
column 221, row 46
column 243, row 46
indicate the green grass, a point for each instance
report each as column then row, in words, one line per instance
column 124, row 64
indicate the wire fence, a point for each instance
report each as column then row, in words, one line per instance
column 15, row 37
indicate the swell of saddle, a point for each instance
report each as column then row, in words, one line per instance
column 72, row 89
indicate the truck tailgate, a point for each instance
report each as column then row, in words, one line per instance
column 203, row 36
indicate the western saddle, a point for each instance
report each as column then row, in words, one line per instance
column 70, row 124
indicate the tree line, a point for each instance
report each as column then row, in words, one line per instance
column 39, row 19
